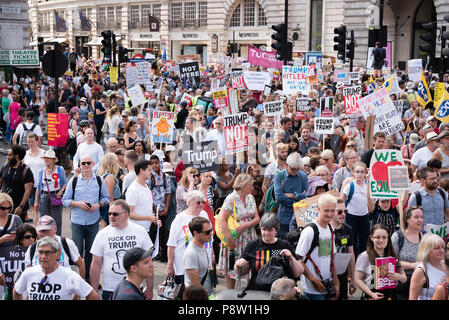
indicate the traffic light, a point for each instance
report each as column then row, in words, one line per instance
column 122, row 54
column 444, row 38
column 430, row 37
column 228, row 50
column 340, row 42
column 281, row 40
column 107, row 45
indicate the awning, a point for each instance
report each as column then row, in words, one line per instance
column 59, row 40
column 94, row 42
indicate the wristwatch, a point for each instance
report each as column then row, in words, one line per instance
column 21, row 206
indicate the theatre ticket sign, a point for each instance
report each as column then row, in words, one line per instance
column 19, row 58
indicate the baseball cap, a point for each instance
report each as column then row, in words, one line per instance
column 432, row 136
column 414, row 138
column 125, row 113
column 430, row 118
column 170, row 148
column 134, row 255
column 45, row 223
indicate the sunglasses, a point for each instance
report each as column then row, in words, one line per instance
column 45, row 252
column 340, row 212
column 5, row 208
column 200, row 202
column 207, row 231
column 115, row 214
column 29, row 236
column 84, row 163
column 196, row 175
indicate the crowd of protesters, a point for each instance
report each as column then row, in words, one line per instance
column 133, row 201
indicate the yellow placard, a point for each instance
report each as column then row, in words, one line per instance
column 113, row 74
column 439, row 90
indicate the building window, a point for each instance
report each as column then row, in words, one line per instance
column 202, row 14
column 118, row 17
column 146, row 11
column 251, row 15
column 135, row 17
column 176, row 15
column 235, row 18
column 101, row 18
column 189, row 14
column 157, row 10
column 316, row 25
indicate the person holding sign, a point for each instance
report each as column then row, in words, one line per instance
column 379, row 245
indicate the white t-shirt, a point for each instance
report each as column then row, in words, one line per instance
column 420, row 157
column 35, row 164
column 141, row 198
column 180, row 238
column 111, row 244
column 128, row 179
column 61, row 284
column 358, row 206
column 321, row 255
column 94, row 150
column 20, row 130
column 63, row 260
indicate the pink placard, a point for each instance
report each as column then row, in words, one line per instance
column 262, row 58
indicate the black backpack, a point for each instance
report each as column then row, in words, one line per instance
column 65, row 246
column 276, row 268
column 75, row 180
column 293, row 237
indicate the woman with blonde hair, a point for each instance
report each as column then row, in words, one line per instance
column 241, row 203
column 190, row 178
column 109, row 170
column 430, row 271
column 11, row 224
column 113, row 120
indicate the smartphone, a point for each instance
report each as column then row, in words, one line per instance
column 89, row 205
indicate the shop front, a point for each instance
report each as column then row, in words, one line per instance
column 18, row 62
column 189, row 43
column 139, row 41
column 258, row 38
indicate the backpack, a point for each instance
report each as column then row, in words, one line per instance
column 65, row 246
column 419, row 198
column 293, row 237
column 379, row 54
column 401, row 239
column 26, row 132
column 276, row 268
column 271, row 204
column 71, row 145
column 72, row 57
column 351, row 193
column 153, row 181
column 75, row 180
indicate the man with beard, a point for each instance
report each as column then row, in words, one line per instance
column 305, row 143
column 432, row 199
column 276, row 166
column 16, row 179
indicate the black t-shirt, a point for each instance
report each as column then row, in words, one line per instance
column 181, row 119
column 343, row 238
column 258, row 253
column 387, row 218
column 14, row 183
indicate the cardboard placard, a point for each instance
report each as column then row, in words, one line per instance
column 162, row 126
column 273, row 108
column 324, row 125
column 398, row 177
column 202, row 156
column 306, row 210
column 379, row 183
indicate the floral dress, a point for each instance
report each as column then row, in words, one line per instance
column 243, row 214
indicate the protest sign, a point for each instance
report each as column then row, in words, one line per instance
column 187, row 97
column 392, row 85
column 414, row 68
column 440, row 230
column 351, row 96
column 162, row 126
column 57, row 129
column 399, row 105
column 398, row 177
column 352, row 130
column 68, row 75
column 303, row 108
column 190, row 69
column 220, row 99
column 306, row 210
column 236, row 132
column 202, row 156
column 388, row 119
column 353, row 76
column 237, row 81
column 313, row 79
column 383, row 267
column 379, row 183
column 438, row 93
column 113, row 74
column 369, row 103
column 12, row 259
column 294, row 79
column 341, row 75
column 273, row 108
column 255, row 80
column 324, row 125
column 258, row 57
column 326, row 107
column 138, row 73
column 314, row 58
column 442, row 111
column 136, row 95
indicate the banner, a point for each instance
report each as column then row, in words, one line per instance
column 326, row 107
column 351, row 96
column 379, row 183
column 237, row 81
column 294, row 79
column 341, row 75
column 162, row 126
column 255, row 80
column 236, row 132
column 202, row 156
column 57, row 129
column 303, row 108
column 324, row 125
column 138, row 73
column 306, row 210
column 438, row 93
column 273, row 108
column 220, row 99
column 258, row 57
column 315, row 58
column 136, row 95
column 398, row 177
column 423, row 94
column 442, row 111
column 414, row 68
column 190, row 69
column 392, row 85
column 440, row 230
column 12, row 259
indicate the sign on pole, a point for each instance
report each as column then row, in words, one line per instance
column 351, row 96
column 202, row 156
column 324, row 125
column 236, row 132
column 379, row 183
column 273, row 108
column 162, row 126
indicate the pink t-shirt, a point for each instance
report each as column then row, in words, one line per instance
column 13, row 109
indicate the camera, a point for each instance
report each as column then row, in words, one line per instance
column 330, row 289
